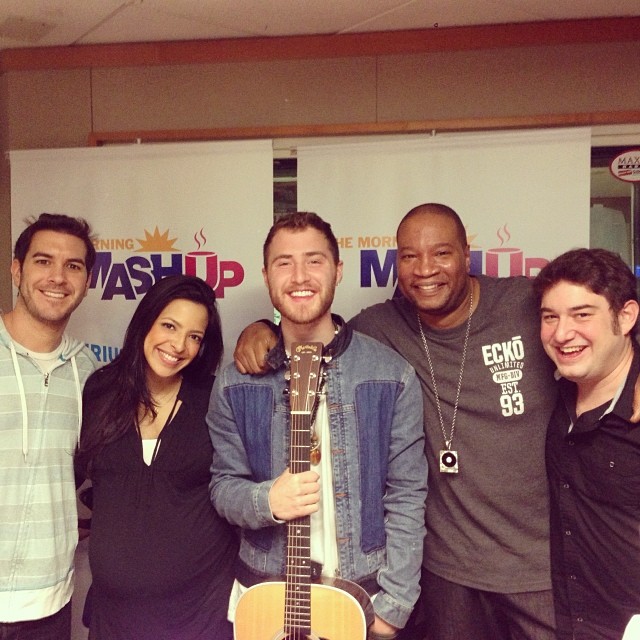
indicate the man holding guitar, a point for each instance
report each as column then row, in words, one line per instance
column 328, row 480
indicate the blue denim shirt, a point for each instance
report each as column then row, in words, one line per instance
column 379, row 468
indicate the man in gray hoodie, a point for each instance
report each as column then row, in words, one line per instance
column 42, row 372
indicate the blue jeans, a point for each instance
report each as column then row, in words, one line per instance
column 55, row 627
column 449, row 611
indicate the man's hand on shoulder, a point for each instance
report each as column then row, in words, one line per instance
column 252, row 347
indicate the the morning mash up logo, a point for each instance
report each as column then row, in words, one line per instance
column 378, row 258
column 126, row 268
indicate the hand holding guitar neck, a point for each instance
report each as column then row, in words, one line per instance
column 294, row 495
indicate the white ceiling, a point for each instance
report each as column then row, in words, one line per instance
column 41, row 23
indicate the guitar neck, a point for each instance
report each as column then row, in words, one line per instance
column 297, row 605
column 305, row 367
column 297, row 615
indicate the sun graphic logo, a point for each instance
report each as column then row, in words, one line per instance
column 156, row 241
column 157, row 257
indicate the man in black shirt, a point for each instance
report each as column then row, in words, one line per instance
column 589, row 309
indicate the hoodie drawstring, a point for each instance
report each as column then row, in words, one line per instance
column 23, row 399
column 76, row 377
column 23, row 402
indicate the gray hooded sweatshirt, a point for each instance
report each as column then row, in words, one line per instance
column 40, row 416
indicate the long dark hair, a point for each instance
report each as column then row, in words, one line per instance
column 113, row 395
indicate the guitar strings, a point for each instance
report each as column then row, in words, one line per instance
column 297, row 611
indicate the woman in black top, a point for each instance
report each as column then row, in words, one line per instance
column 161, row 558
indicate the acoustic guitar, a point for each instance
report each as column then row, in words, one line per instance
column 299, row 608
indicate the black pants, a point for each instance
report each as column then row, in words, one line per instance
column 55, row 627
column 449, row 611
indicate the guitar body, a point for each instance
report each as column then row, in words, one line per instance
column 336, row 613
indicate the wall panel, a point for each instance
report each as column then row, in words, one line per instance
column 509, row 82
column 48, row 109
column 235, row 94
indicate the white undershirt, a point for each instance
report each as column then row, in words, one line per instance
column 46, row 361
column 632, row 632
column 148, row 447
column 324, row 547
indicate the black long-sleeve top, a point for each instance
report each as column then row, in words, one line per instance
column 161, row 557
column 594, row 475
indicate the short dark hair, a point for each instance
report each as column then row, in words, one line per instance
column 440, row 210
column 60, row 223
column 603, row 272
column 299, row 221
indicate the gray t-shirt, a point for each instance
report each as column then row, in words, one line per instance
column 488, row 525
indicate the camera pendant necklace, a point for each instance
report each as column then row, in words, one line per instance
column 448, row 458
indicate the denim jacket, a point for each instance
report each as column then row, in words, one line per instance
column 379, row 468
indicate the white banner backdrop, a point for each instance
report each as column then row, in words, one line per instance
column 523, row 197
column 198, row 208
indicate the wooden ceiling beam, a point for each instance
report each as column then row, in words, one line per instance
column 322, row 46
column 99, row 138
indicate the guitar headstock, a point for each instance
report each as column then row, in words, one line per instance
column 304, row 384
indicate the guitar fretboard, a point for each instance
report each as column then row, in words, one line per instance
column 304, row 378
